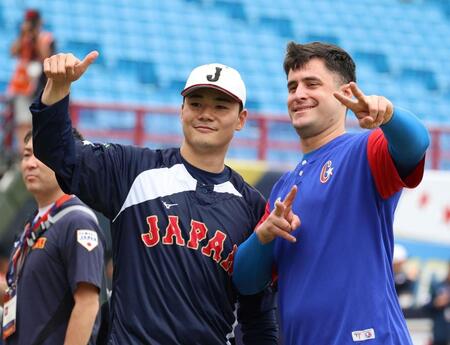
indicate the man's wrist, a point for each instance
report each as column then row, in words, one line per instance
column 262, row 237
column 388, row 117
column 54, row 92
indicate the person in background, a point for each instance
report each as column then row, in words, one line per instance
column 405, row 279
column 30, row 48
column 56, row 267
column 439, row 308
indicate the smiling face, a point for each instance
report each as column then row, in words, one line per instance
column 312, row 107
column 39, row 179
column 209, row 118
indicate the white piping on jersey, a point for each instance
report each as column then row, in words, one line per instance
column 231, row 335
column 157, row 183
column 226, row 187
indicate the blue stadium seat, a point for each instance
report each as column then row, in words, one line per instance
column 320, row 37
column 175, row 86
column 422, row 76
column 377, row 60
column 280, row 25
column 252, row 104
column 142, row 71
column 3, row 85
column 162, row 124
column 2, row 21
column 81, row 48
column 233, row 8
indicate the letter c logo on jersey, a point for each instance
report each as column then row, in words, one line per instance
column 327, row 172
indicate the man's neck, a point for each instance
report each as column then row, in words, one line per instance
column 211, row 161
column 47, row 199
column 317, row 141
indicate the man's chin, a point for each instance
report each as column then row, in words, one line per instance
column 203, row 145
column 303, row 130
column 299, row 125
column 31, row 187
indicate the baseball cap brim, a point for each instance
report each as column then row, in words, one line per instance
column 191, row 88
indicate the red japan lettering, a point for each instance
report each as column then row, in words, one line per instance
column 151, row 238
column 173, row 230
column 215, row 245
column 198, row 232
column 227, row 264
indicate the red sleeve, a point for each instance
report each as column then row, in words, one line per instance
column 264, row 217
column 382, row 167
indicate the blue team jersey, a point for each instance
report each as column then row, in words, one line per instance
column 174, row 230
column 60, row 259
column 341, row 289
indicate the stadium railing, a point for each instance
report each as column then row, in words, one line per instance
column 438, row 155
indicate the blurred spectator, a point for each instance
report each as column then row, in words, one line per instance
column 405, row 280
column 55, row 272
column 31, row 47
column 439, row 307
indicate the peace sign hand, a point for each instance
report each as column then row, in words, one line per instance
column 371, row 111
column 281, row 221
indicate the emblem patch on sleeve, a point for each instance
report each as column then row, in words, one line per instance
column 87, row 238
column 40, row 243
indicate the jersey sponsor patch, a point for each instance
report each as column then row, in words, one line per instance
column 40, row 243
column 363, row 335
column 87, row 238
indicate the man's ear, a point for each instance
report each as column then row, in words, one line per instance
column 242, row 118
column 346, row 90
column 181, row 109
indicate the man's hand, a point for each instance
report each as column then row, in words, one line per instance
column 61, row 70
column 371, row 111
column 281, row 222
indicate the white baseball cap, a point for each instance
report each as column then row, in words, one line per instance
column 400, row 253
column 219, row 77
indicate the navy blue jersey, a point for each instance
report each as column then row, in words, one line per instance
column 60, row 259
column 341, row 289
column 174, row 230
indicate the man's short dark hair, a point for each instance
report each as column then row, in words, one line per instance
column 335, row 58
column 77, row 135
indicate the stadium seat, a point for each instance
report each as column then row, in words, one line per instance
column 3, row 85
column 280, row 25
column 143, row 71
column 420, row 76
column 375, row 59
column 233, row 8
column 322, row 37
column 80, row 48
